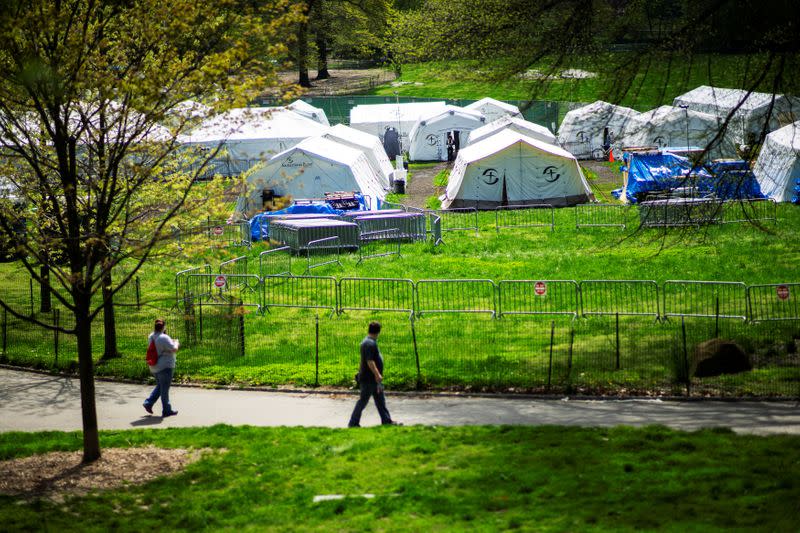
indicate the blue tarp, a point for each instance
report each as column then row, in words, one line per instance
column 259, row 224
column 663, row 171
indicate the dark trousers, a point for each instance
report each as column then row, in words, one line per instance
column 367, row 390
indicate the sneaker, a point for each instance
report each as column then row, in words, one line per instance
column 148, row 408
column 354, row 425
column 171, row 413
column 392, row 423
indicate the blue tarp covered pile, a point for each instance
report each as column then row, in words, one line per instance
column 259, row 224
column 663, row 171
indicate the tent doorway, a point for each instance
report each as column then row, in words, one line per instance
column 453, row 144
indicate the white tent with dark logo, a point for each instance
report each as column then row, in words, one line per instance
column 377, row 119
column 369, row 144
column 250, row 135
column 586, row 129
column 429, row 137
column 750, row 111
column 777, row 168
column 512, row 169
column 493, row 109
column 669, row 126
column 518, row 124
column 312, row 168
column 308, row 111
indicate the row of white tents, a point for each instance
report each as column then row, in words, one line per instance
column 295, row 143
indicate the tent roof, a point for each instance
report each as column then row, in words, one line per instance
column 366, row 113
column 501, row 141
column 353, row 135
column 787, row 136
column 324, row 149
column 726, row 98
column 503, row 122
column 449, row 111
column 307, row 110
column 668, row 113
column 599, row 107
column 502, row 105
column 252, row 123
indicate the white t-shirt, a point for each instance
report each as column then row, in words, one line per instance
column 166, row 348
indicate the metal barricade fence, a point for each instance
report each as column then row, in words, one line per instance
column 275, row 262
column 392, row 205
column 680, row 212
column 525, row 216
column 376, row 294
column 379, row 243
column 319, row 250
column 601, row 215
column 222, row 233
column 455, row 296
column 461, row 219
column 182, row 278
column 773, row 302
column 722, row 299
column 224, row 289
column 527, row 297
column 237, row 266
column 761, row 210
column 436, row 229
column 310, row 292
column 619, row 297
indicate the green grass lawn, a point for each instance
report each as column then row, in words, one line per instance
column 280, row 347
column 436, row 479
column 651, row 85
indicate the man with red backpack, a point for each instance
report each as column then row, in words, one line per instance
column 161, row 352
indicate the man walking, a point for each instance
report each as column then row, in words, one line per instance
column 370, row 378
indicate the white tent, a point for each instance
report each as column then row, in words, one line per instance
column 369, row 144
column 308, row 111
column 493, row 109
column 251, row 134
column 582, row 130
column 428, row 138
column 777, row 168
column 669, row 126
column 518, row 124
column 512, row 169
column 312, row 168
column 753, row 110
column 377, row 118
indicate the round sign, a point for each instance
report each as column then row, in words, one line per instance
column 218, row 230
column 220, row 281
column 540, row 288
column 782, row 291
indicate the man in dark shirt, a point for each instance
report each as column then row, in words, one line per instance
column 370, row 378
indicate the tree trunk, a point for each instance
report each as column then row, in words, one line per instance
column 302, row 55
column 109, row 320
column 83, row 332
column 322, row 60
column 44, row 288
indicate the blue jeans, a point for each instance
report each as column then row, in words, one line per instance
column 367, row 390
column 163, row 381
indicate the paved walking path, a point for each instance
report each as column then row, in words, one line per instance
column 34, row 402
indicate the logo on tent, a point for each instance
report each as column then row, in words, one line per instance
column 491, row 176
column 290, row 163
column 551, row 172
column 660, row 142
column 581, row 136
column 432, row 139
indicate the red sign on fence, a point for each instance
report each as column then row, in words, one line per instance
column 540, row 288
column 782, row 291
column 220, row 281
column 218, row 230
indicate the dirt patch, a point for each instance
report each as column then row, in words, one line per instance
column 56, row 475
column 342, row 82
column 421, row 186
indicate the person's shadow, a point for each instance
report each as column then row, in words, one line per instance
column 147, row 420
